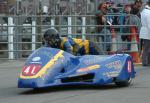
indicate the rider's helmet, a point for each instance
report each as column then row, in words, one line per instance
column 52, row 38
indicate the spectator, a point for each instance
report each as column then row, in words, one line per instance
column 126, row 21
column 102, row 10
column 105, row 32
column 130, row 20
column 145, row 34
column 136, row 7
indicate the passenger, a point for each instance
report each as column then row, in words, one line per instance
column 74, row 46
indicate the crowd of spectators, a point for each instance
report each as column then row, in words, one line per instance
column 110, row 14
column 134, row 24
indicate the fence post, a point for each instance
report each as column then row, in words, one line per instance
column 83, row 27
column 52, row 23
column 33, row 35
column 69, row 27
column 10, row 38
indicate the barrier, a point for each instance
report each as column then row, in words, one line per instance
column 80, row 26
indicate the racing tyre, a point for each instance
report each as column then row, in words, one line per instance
column 124, row 83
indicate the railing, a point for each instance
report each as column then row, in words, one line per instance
column 19, row 38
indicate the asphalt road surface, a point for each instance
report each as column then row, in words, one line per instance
column 138, row 92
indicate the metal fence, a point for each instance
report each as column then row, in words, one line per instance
column 21, row 35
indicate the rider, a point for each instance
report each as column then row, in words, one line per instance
column 74, row 46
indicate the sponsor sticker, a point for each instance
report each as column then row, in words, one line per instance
column 88, row 68
column 129, row 67
column 35, row 59
column 111, row 74
column 115, row 64
column 92, row 60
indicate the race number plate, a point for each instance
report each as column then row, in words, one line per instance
column 31, row 70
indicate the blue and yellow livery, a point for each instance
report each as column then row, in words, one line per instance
column 52, row 67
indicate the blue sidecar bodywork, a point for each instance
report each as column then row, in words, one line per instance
column 52, row 67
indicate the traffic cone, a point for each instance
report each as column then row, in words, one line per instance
column 114, row 45
column 134, row 47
